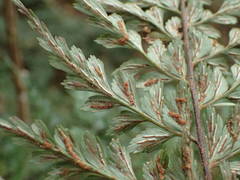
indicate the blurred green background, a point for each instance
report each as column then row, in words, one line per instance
column 48, row 100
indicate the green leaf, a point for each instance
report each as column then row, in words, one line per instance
column 234, row 54
column 236, row 72
column 207, row 15
column 168, row 5
column 218, row 137
column 156, row 16
column 109, row 42
column 164, row 58
column 93, row 152
column 59, row 142
column 168, row 120
column 226, row 170
column 230, row 5
column 217, row 86
column 172, row 151
column 96, row 72
column 219, row 62
column 5, row 124
column 124, row 87
column 76, row 83
column 118, row 22
column 22, row 126
column 217, row 132
column 112, row 3
column 126, row 120
column 133, row 66
column 234, row 37
column 154, row 29
column 155, row 169
column 135, row 40
column 171, row 4
column 202, row 45
column 235, row 95
column 175, row 58
column 93, row 5
column 77, row 56
column 41, row 131
column 59, row 64
column 148, row 140
column 235, row 168
column 207, row 2
column 173, row 27
column 121, row 161
column 135, row 9
column 170, row 94
column 152, row 101
column 131, row 8
column 225, row 19
column 196, row 11
column 156, row 51
column 230, row 169
column 98, row 103
column 224, row 104
column 209, row 31
column 147, row 79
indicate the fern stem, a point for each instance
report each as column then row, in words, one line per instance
column 17, row 64
column 192, row 84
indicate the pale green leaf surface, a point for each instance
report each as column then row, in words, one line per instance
column 173, row 27
column 225, row 19
column 234, row 37
column 209, row 31
column 148, row 139
column 217, row 85
column 125, row 120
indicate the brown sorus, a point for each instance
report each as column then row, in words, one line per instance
column 127, row 93
column 181, row 100
column 122, row 41
column 174, row 115
column 182, row 122
column 106, row 106
column 150, row 82
column 98, row 71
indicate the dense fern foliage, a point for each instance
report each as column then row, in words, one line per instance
column 183, row 89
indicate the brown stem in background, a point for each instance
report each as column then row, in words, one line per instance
column 197, row 114
column 16, row 57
